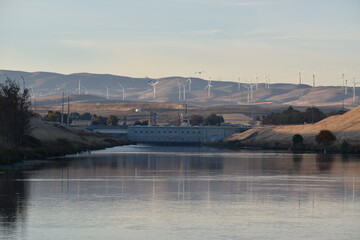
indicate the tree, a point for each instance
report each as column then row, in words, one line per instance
column 137, row 123
column 15, row 114
column 297, row 139
column 112, row 120
column 214, row 119
column 196, row 120
column 56, row 117
column 325, row 137
column 98, row 120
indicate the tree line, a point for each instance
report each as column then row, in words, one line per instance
column 293, row 116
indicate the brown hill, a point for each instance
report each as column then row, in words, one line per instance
column 45, row 85
column 345, row 127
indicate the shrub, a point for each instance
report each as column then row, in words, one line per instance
column 325, row 138
column 297, row 139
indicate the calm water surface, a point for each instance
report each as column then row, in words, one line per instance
column 146, row 192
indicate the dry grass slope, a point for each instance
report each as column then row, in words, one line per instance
column 345, row 127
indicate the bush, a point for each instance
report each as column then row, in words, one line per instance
column 214, row 119
column 196, row 120
column 297, row 139
column 325, row 138
column 15, row 114
column 112, row 120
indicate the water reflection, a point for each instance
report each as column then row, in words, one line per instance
column 324, row 162
column 13, row 198
column 154, row 192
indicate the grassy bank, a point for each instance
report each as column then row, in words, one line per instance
column 335, row 148
column 60, row 147
column 53, row 139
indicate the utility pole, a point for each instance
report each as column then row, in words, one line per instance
column 68, row 112
column 62, row 109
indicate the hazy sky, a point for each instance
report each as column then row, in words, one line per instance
column 225, row 38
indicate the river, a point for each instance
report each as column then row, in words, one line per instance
column 152, row 192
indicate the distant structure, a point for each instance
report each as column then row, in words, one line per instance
column 239, row 83
column 190, row 78
column 314, row 78
column 208, row 87
column 299, row 77
column 107, row 92
column 123, row 91
column 354, row 90
column 153, row 83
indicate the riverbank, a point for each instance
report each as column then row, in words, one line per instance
column 345, row 127
column 53, row 139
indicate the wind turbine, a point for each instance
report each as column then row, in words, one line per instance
column 299, row 77
column 123, row 91
column 354, row 90
column 239, row 84
column 179, row 85
column 257, row 82
column 107, row 92
column 314, row 78
column 248, row 93
column 343, row 78
column 208, row 87
column 153, row 84
column 189, row 80
column 346, row 86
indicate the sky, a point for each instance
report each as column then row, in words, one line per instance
column 227, row 39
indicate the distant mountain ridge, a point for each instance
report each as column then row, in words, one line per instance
column 171, row 90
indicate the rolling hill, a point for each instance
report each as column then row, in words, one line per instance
column 46, row 85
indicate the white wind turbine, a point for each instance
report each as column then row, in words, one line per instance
column 267, row 81
column 153, row 84
column 342, row 74
column 123, row 91
column 189, row 80
column 208, row 87
column 79, row 88
column 107, row 92
column 354, row 90
column 300, row 76
column 346, row 86
column 179, row 85
column 314, row 79
column 239, row 83
column 248, row 92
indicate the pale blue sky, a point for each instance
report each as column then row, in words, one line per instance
column 225, row 38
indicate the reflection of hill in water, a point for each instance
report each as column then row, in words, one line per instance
column 240, row 177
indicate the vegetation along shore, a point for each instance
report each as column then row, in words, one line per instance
column 23, row 135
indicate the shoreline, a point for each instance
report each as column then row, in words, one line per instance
column 237, row 145
column 11, row 157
